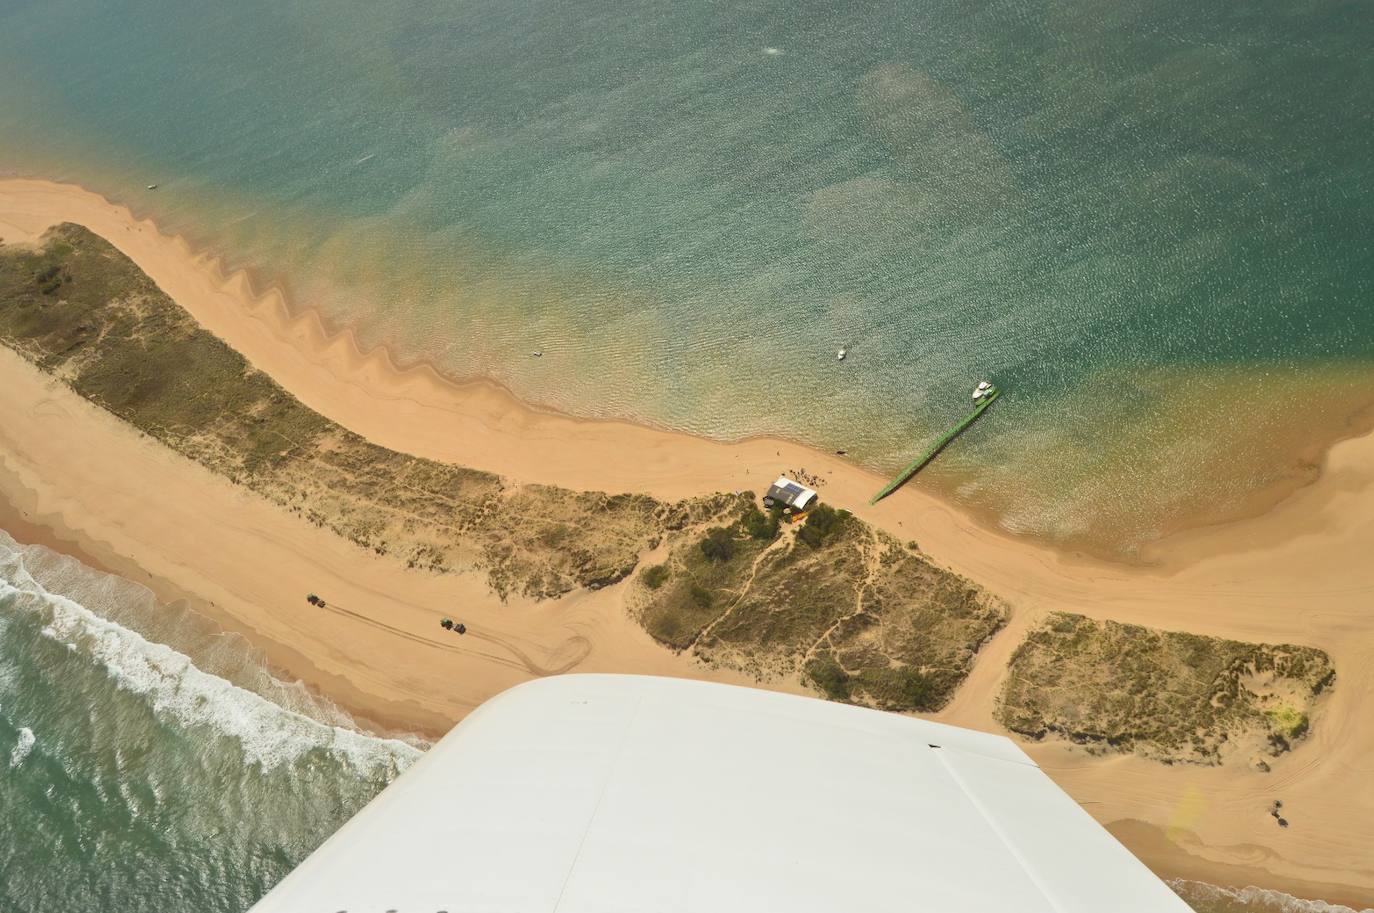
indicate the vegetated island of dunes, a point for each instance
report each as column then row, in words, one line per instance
column 861, row 617
column 1168, row 695
column 864, row 618
column 80, row 310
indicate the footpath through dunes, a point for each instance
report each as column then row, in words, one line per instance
column 862, row 617
column 1169, row 695
column 82, row 312
column 1298, row 575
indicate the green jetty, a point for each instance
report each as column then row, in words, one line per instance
column 984, row 396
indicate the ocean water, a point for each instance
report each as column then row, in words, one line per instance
column 1152, row 223
column 149, row 764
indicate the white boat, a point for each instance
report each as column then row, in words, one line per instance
column 152, row 187
column 983, row 389
column 843, row 353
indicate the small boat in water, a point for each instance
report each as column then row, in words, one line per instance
column 152, row 187
column 842, row 354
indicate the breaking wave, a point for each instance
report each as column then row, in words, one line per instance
column 1210, row 898
column 153, row 762
column 176, row 688
column 22, row 747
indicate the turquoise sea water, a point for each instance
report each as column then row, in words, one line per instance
column 1151, row 224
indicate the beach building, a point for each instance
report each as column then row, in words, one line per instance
column 627, row 794
column 789, row 494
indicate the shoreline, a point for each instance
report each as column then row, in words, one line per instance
column 1293, row 574
column 326, row 367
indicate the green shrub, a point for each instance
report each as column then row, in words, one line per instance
column 701, row 596
column 654, row 575
column 759, row 525
column 49, row 279
column 1289, row 722
column 719, row 545
column 822, row 523
column 900, row 689
column 829, row 676
column 555, row 535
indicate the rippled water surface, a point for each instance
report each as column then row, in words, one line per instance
column 1150, row 223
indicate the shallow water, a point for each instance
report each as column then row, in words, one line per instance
column 1151, row 224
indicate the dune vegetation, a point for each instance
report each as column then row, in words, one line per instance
column 862, row 618
column 848, row 609
column 1164, row 694
column 79, row 309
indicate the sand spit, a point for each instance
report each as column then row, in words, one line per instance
column 1298, row 574
column 85, row 314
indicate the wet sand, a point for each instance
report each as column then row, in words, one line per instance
column 1298, row 573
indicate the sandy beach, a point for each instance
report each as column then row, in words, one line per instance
column 1298, row 573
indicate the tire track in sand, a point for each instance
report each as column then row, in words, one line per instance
column 565, row 657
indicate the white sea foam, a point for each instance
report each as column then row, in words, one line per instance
column 179, row 691
column 22, row 747
column 1251, row 898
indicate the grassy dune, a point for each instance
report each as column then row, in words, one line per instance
column 864, row 619
column 1165, row 694
column 868, row 621
column 857, row 615
column 82, row 311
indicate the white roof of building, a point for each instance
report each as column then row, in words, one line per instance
column 801, row 495
column 626, row 794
